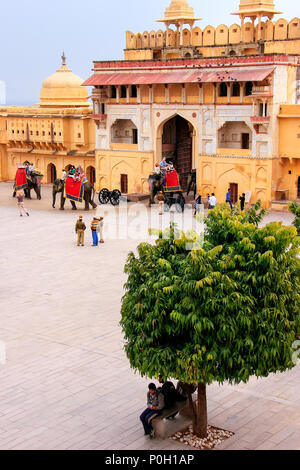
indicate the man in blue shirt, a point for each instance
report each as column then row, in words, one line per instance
column 163, row 163
column 228, row 198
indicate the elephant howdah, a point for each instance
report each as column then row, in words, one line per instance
column 88, row 194
column 74, row 190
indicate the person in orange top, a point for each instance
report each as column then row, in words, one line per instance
column 94, row 228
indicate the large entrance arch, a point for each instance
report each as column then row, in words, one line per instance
column 177, row 146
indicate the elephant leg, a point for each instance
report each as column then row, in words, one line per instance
column 54, row 199
column 86, row 204
column 74, row 208
column 62, row 202
column 92, row 197
column 14, row 193
column 94, row 206
column 38, row 193
column 153, row 194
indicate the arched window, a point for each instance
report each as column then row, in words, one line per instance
column 123, row 91
column 113, row 92
column 248, row 88
column 133, row 91
column 236, row 89
column 223, row 89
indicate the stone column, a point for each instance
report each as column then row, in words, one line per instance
column 253, row 18
column 167, row 94
column 229, row 86
column 181, row 33
column 183, row 94
column 150, row 94
column 200, row 93
column 259, row 29
column 242, row 28
column 138, row 88
column 242, row 90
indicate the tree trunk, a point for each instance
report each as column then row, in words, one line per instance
column 198, row 410
column 201, row 424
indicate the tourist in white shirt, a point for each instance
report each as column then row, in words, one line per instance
column 212, row 201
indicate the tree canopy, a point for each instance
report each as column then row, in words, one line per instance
column 223, row 312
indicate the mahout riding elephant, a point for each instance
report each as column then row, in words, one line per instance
column 33, row 183
column 88, row 196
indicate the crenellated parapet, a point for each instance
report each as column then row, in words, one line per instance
column 279, row 30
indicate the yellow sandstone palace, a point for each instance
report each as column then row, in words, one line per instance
column 56, row 133
column 223, row 101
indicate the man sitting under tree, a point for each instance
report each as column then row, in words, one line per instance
column 155, row 405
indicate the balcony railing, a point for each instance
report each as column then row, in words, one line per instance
column 261, row 91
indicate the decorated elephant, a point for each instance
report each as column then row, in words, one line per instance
column 88, row 195
column 156, row 184
column 33, row 181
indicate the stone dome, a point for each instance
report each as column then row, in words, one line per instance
column 63, row 89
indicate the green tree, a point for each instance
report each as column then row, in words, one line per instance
column 294, row 208
column 224, row 312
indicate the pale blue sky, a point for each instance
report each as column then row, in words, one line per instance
column 33, row 34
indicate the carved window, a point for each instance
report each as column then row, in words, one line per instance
column 236, row 89
column 123, row 91
column 223, row 90
column 248, row 88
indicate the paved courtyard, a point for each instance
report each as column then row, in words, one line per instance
column 66, row 382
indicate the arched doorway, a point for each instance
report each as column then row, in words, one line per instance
column 91, row 174
column 51, row 173
column 177, row 146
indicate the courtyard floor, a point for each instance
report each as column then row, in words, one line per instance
column 66, row 382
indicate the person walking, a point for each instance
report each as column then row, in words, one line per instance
column 212, row 201
column 94, row 228
column 161, row 202
column 100, row 230
column 79, row 229
column 228, row 198
column 155, row 405
column 242, row 199
column 20, row 203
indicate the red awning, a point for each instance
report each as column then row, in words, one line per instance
column 201, row 76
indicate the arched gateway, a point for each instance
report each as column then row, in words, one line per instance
column 177, row 146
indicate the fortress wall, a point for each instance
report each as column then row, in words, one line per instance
column 222, row 35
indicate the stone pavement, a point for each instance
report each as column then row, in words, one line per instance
column 66, row 382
